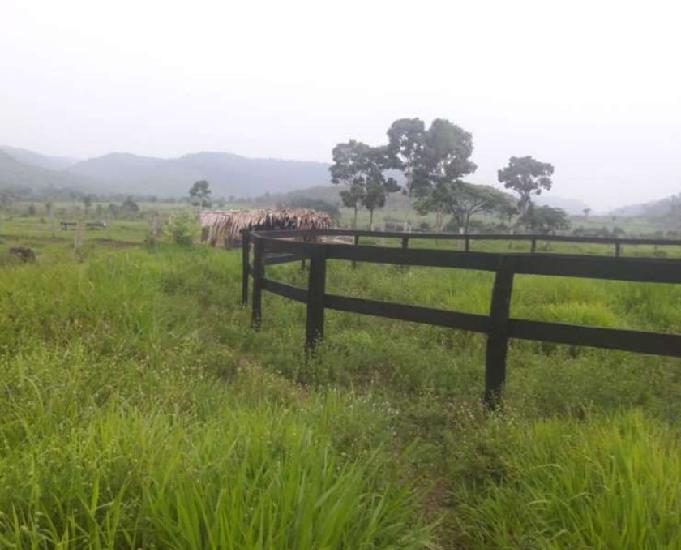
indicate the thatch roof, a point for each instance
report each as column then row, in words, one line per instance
column 226, row 225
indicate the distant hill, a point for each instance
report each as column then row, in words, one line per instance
column 36, row 159
column 651, row 209
column 330, row 194
column 16, row 175
column 573, row 207
column 227, row 173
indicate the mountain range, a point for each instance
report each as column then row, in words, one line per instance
column 31, row 173
column 122, row 173
column 661, row 207
column 228, row 174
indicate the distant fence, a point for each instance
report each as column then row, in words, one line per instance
column 271, row 247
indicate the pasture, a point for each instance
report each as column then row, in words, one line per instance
column 139, row 409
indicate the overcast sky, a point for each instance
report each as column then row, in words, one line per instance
column 592, row 87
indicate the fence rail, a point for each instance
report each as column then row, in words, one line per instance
column 273, row 247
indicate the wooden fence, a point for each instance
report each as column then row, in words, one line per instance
column 272, row 247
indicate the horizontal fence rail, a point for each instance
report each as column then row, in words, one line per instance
column 275, row 247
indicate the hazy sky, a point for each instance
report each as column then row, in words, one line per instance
column 593, row 87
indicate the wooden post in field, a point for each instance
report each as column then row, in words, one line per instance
column 245, row 264
column 258, row 275
column 355, row 241
column 467, row 244
column 314, row 325
column 303, row 260
column 405, row 246
column 618, row 249
column 497, row 339
column 533, row 247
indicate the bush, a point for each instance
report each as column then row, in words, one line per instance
column 181, row 228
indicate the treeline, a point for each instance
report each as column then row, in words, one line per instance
column 434, row 161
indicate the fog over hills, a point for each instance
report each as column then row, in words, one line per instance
column 16, row 174
column 574, row 207
column 228, row 174
column 32, row 158
column 126, row 173
column 656, row 208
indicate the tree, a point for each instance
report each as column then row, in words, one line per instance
column 87, row 203
column 428, row 156
column 475, row 199
column 545, row 219
column 406, row 145
column 462, row 200
column 199, row 194
column 448, row 151
column 439, row 199
column 526, row 176
column 129, row 207
column 299, row 201
column 361, row 168
column 378, row 186
column 352, row 198
column 587, row 211
column 375, row 196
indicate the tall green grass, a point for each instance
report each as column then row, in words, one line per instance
column 609, row 482
column 139, row 409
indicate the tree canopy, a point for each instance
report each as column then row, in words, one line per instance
column 199, row 194
column 526, row 176
column 434, row 160
column 428, row 156
column 360, row 168
column 545, row 219
column 461, row 200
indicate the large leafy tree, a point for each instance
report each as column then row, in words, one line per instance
column 545, row 219
column 426, row 157
column 476, row 199
column 360, row 168
column 448, row 151
column 526, row 176
column 461, row 201
column 406, row 146
column 199, row 194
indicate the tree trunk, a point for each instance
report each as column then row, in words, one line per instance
column 371, row 219
column 354, row 219
column 440, row 220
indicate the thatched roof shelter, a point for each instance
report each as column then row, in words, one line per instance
column 224, row 226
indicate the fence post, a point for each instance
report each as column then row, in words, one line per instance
column 533, row 247
column 355, row 241
column 467, row 244
column 618, row 250
column 314, row 325
column 405, row 246
column 245, row 264
column 497, row 339
column 258, row 275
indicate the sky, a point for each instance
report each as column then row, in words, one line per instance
column 593, row 87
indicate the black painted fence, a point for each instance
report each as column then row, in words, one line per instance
column 271, row 247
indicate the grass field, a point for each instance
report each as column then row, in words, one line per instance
column 139, row 410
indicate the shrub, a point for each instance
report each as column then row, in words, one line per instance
column 181, row 228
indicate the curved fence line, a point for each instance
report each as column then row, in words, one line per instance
column 271, row 247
